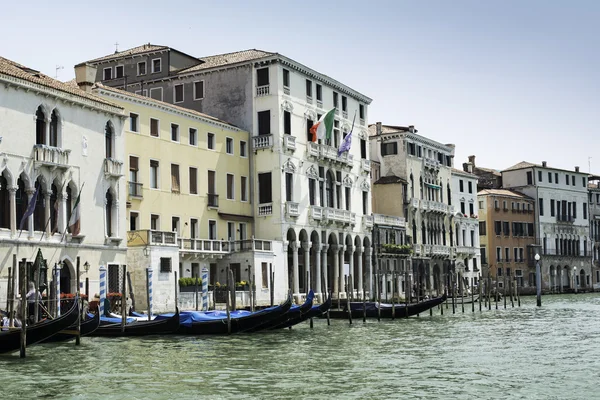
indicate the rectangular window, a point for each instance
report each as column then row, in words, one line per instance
column 154, row 127
column 573, row 180
column 154, row 174
column 289, row 186
column 142, row 92
column 541, row 205
column 107, row 73
column 549, row 177
column 471, row 211
column 388, row 149
column 583, row 181
column 483, row 255
column 264, row 122
column 211, row 182
column 335, row 99
column 193, row 180
column 482, row 228
column 539, row 178
column 134, row 122
column 242, row 228
column 552, row 207
column 361, row 111
column 119, row 71
column 193, row 139
column 230, row 231
column 461, row 187
column 262, row 77
column 230, row 187
column 574, row 209
column 287, row 123
column 308, row 88
column 530, row 229
column 556, row 177
column 175, row 224
column 319, row 92
column 481, row 205
column 347, row 197
column 198, row 90
column 210, row 141
column 521, row 252
column 264, row 188
column 529, row 178
column 507, row 254
column 243, row 149
column 567, row 179
column 344, row 103
column 156, row 65
column 178, row 93
column 165, row 264
column 516, row 253
column 212, row 230
column 584, row 210
column 244, row 188
column 141, row 68
column 499, row 254
column 470, row 186
column 363, row 149
column 286, row 78
column 156, row 93
column 175, row 187
column 498, row 227
column 175, row 132
column 506, row 228
column 154, row 222
column 265, row 272
column 134, row 221
column 309, row 125
column 365, row 203
column 312, row 191
column 229, row 145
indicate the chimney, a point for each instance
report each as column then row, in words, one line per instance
column 411, row 128
column 472, row 160
column 544, row 164
column 576, row 169
column 378, row 124
column 85, row 76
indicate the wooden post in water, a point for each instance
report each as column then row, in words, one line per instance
column 233, row 291
column 37, row 294
column 472, row 296
column 23, row 316
column 251, row 288
column 462, row 292
column 148, row 293
column 78, row 299
column 272, row 278
column 489, row 290
column 479, row 286
column 364, row 288
column 446, row 280
column 379, row 295
column 497, row 293
column 308, row 290
column 512, row 289
column 518, row 294
column 393, row 294
column 227, row 299
column 11, row 309
column 453, row 293
column 504, row 291
column 124, row 298
column 406, row 291
column 347, row 280
column 326, row 293
column 131, row 294
column 8, row 283
column 176, row 291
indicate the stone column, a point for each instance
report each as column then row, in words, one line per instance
column 286, row 267
column 116, row 218
column 47, row 133
column 341, row 250
column 350, row 250
column 359, row 278
column 47, row 213
column 317, row 277
column 336, row 269
column 62, row 212
column 306, row 247
column 30, row 193
column 295, row 246
column 369, row 267
column 13, row 210
column 324, row 272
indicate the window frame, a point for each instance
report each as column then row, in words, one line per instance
column 176, row 126
column 195, row 136
column 195, row 90
column 150, row 183
column 157, row 89
column 153, row 71
column 228, row 187
column 195, row 193
column 137, row 122
column 145, row 68
column 244, row 147
column 228, row 142
column 244, row 189
column 211, row 138
column 122, row 70
column 182, row 86
column 104, row 74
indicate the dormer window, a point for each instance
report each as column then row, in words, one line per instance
column 107, row 74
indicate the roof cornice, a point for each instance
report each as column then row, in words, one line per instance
column 117, row 57
column 62, row 95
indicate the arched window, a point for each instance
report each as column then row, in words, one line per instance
column 39, row 211
column 54, row 129
column 109, row 134
column 40, row 126
column 449, row 196
column 109, row 206
column 21, row 198
column 4, row 203
column 329, row 189
column 70, row 202
column 54, row 209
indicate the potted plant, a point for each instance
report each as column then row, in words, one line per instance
column 404, row 249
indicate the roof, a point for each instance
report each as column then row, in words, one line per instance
column 461, row 172
column 19, row 71
column 503, row 192
column 163, row 104
column 145, row 48
column 227, row 59
column 387, row 129
column 385, row 180
column 521, row 165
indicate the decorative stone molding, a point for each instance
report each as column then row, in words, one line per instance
column 289, row 166
column 310, row 114
column 365, row 186
column 287, row 106
column 311, row 172
column 347, row 181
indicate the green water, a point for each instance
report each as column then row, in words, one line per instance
column 517, row 353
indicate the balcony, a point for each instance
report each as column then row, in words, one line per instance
column 313, row 149
column 292, row 209
column 194, row 249
column 337, row 110
column 265, row 209
column 389, row 220
column 162, row 238
column 431, row 163
column 466, row 250
column 289, row 142
column 51, row 156
column 436, row 250
column 434, row 206
column 135, row 189
column 565, row 219
column 329, row 153
column 262, row 90
column 143, row 238
column 286, row 90
column 205, row 246
column 113, row 168
column 262, row 142
column 339, row 216
column 213, row 200
column 345, row 114
column 368, row 221
column 316, row 213
column 414, row 203
column 365, row 165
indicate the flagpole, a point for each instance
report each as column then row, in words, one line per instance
column 67, row 227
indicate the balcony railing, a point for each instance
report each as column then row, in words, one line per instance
column 262, row 90
column 262, row 142
column 265, row 209
column 565, row 219
column 389, row 220
column 292, row 209
column 316, row 213
column 414, row 203
column 330, row 153
column 113, row 167
column 434, row 206
column 436, row 250
column 431, row 163
column 365, row 165
column 161, row 237
column 289, row 142
column 286, row 90
column 135, row 189
column 213, row 200
column 465, row 250
column 368, row 221
column 339, row 216
column 54, row 156
column 345, row 114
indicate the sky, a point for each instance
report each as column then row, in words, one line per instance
column 506, row 81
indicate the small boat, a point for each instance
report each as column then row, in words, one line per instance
column 294, row 312
column 11, row 340
column 215, row 322
column 387, row 310
column 86, row 328
column 314, row 312
column 140, row 328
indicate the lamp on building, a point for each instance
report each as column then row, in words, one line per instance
column 146, row 251
column 538, row 280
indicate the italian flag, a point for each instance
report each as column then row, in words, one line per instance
column 74, row 222
column 322, row 129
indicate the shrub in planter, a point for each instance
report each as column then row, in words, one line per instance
column 397, row 248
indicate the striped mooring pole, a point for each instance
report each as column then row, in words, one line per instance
column 57, row 291
column 149, row 290
column 102, row 289
column 205, row 289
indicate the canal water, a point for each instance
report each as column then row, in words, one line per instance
column 551, row 352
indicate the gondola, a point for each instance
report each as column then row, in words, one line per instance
column 215, row 322
column 294, row 312
column 140, row 328
column 400, row 310
column 315, row 311
column 86, row 328
column 11, row 340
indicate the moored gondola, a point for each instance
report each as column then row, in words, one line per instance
column 86, row 328
column 294, row 312
column 387, row 310
column 140, row 328
column 314, row 312
column 11, row 340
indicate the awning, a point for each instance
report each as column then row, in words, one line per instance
column 236, row 217
column 431, row 185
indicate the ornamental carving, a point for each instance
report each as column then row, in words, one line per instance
column 287, row 106
column 289, row 166
column 365, row 185
column 311, row 172
column 348, row 181
column 310, row 114
column 362, row 134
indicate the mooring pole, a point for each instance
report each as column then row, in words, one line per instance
column 149, row 291
column 77, row 299
column 23, row 316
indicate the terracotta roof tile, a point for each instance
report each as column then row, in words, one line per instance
column 385, row 180
column 228, row 58
column 129, row 52
column 16, row 70
column 503, row 192
column 521, row 165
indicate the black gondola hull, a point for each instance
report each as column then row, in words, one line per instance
column 140, row 328
column 313, row 312
column 387, row 312
column 87, row 327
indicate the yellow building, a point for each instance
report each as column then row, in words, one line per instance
column 188, row 188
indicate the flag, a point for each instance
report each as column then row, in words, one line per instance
column 322, row 129
column 74, row 222
column 347, row 142
column 30, row 208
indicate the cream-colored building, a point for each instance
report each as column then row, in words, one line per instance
column 188, row 197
